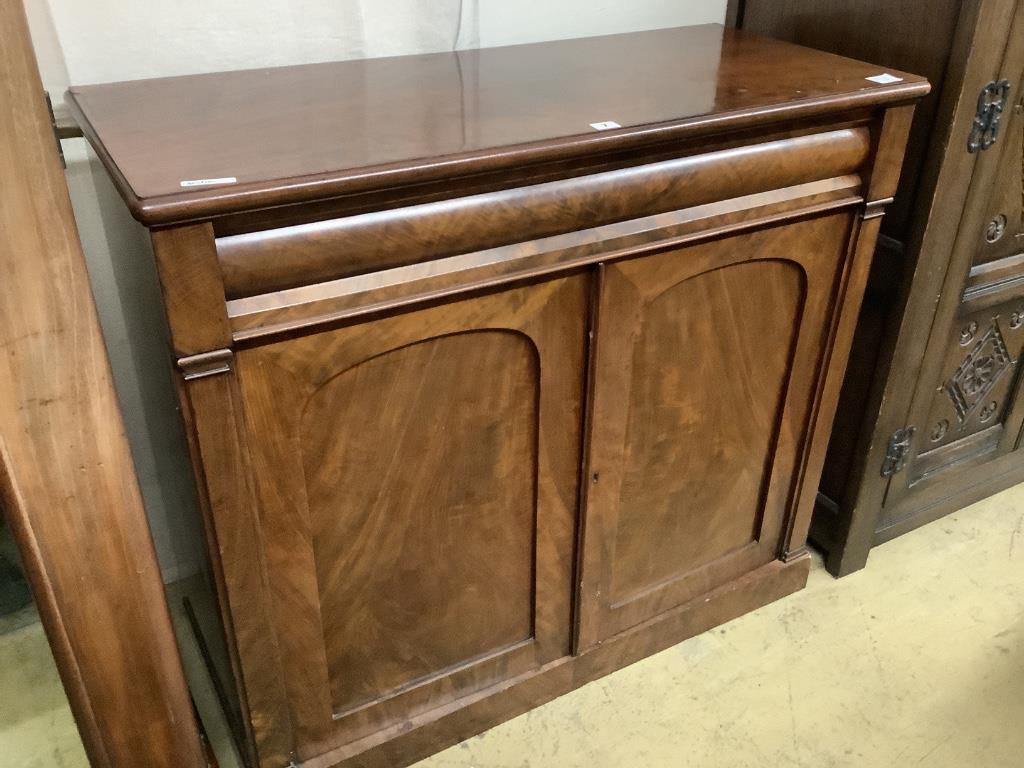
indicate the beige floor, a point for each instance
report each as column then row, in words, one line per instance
column 36, row 727
column 916, row 661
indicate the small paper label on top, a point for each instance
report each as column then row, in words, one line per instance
column 608, row 125
column 884, row 79
column 208, row 182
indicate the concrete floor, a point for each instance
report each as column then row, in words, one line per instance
column 916, row 661
column 36, row 727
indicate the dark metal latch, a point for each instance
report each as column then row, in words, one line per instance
column 991, row 104
column 897, row 451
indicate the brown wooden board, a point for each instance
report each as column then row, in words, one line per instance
column 67, row 483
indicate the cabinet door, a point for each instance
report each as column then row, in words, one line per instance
column 708, row 361
column 417, row 486
column 967, row 408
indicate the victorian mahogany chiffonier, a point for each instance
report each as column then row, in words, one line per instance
column 502, row 369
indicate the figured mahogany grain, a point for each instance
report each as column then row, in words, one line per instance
column 410, row 543
column 312, row 131
column 263, row 262
column 417, row 492
column 281, row 311
column 699, row 418
column 718, row 389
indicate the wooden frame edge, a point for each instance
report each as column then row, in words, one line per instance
column 67, row 481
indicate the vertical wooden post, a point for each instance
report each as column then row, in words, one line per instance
column 67, row 483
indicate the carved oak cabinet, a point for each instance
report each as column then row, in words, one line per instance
column 930, row 417
column 502, row 369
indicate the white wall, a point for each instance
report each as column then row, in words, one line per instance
column 90, row 41
column 104, row 40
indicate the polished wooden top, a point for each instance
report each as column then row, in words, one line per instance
column 299, row 133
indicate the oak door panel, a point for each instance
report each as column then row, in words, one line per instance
column 975, row 411
column 1004, row 209
column 980, row 367
column 706, row 363
column 966, row 408
column 417, row 478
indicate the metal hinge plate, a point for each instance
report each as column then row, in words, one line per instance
column 991, row 104
column 897, row 450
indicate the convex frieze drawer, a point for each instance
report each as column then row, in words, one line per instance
column 485, row 401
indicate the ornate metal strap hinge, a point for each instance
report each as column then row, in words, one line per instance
column 991, row 103
column 897, row 451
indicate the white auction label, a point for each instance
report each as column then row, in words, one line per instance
column 605, row 126
column 208, row 182
column 884, row 79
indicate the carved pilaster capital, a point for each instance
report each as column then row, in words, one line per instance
column 795, row 554
column 206, row 364
column 876, row 208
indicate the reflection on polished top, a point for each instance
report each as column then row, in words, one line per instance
column 258, row 137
